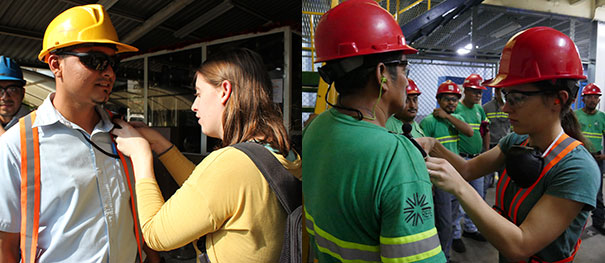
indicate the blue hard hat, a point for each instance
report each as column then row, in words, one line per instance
column 10, row 70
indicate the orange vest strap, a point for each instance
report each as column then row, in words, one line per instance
column 562, row 147
column 30, row 191
column 30, row 188
column 130, row 179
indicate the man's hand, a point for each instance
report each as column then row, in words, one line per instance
column 2, row 130
column 440, row 113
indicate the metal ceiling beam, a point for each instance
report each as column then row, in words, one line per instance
column 107, row 3
column 491, row 20
column 465, row 22
column 21, row 33
column 506, row 37
column 251, row 12
column 441, row 14
column 155, row 20
column 118, row 13
column 204, row 19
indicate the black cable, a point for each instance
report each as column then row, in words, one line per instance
column 407, row 129
column 359, row 114
column 99, row 148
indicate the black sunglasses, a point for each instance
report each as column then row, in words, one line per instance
column 10, row 89
column 95, row 60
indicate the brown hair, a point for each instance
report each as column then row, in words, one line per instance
column 249, row 112
column 569, row 122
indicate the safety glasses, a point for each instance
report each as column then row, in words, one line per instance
column 516, row 98
column 96, row 60
column 11, row 90
column 450, row 98
column 401, row 63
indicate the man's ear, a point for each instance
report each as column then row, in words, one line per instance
column 54, row 65
column 382, row 75
column 225, row 91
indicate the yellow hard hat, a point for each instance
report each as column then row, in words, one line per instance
column 80, row 25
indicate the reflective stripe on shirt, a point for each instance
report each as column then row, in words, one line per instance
column 449, row 138
column 414, row 247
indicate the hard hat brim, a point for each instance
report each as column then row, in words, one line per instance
column 502, row 80
column 9, row 78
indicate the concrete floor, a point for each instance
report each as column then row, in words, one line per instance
column 591, row 250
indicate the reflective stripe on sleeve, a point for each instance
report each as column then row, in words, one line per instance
column 410, row 248
column 344, row 251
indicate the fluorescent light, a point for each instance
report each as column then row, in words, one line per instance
column 468, row 46
column 463, row 51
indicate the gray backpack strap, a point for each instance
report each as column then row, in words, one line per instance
column 288, row 191
column 286, row 187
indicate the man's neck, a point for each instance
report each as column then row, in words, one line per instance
column 84, row 115
column 468, row 104
column 5, row 119
column 589, row 111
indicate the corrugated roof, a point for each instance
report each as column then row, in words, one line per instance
column 23, row 22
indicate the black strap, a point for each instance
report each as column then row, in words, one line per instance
column 286, row 187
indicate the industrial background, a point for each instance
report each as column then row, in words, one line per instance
column 456, row 38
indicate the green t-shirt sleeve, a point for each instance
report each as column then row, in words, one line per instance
column 427, row 127
column 575, row 177
column 406, row 205
column 458, row 116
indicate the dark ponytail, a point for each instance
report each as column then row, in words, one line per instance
column 569, row 121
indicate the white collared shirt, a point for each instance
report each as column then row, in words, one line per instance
column 85, row 213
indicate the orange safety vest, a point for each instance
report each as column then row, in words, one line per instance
column 30, row 191
column 560, row 149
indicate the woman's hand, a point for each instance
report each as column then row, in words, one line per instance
column 129, row 141
column 427, row 143
column 444, row 176
column 158, row 143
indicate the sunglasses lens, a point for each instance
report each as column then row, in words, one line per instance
column 99, row 61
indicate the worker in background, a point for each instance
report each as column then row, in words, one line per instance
column 499, row 126
column 446, row 126
column 366, row 191
column 593, row 128
column 11, row 94
column 407, row 113
column 79, row 202
column 470, row 146
column 549, row 186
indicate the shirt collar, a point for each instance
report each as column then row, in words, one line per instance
column 47, row 114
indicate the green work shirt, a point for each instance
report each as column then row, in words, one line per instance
column 473, row 116
column 593, row 128
column 367, row 194
column 442, row 130
column 575, row 177
column 393, row 124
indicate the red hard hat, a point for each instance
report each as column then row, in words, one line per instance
column 412, row 88
column 449, row 87
column 591, row 89
column 357, row 28
column 474, row 82
column 536, row 54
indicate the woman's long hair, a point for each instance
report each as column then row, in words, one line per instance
column 569, row 122
column 249, row 112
